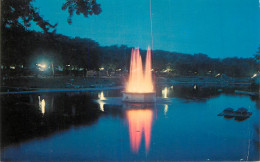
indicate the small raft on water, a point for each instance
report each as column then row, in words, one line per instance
column 240, row 114
column 228, row 112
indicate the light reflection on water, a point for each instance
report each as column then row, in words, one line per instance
column 41, row 105
column 139, row 121
column 190, row 131
column 101, row 105
column 165, row 109
column 101, row 99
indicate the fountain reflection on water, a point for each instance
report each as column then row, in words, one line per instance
column 140, row 121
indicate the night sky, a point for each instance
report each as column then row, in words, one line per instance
column 218, row 28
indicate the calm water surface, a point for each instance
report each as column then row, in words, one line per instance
column 182, row 125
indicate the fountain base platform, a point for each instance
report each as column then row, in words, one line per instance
column 139, row 97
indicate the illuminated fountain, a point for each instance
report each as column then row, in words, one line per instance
column 139, row 96
column 140, row 86
column 101, row 96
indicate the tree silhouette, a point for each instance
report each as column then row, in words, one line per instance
column 20, row 13
column 85, row 7
column 257, row 56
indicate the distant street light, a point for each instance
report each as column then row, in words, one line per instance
column 217, row 75
column 42, row 67
column 12, row 67
column 254, row 76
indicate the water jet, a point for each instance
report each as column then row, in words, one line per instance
column 140, row 86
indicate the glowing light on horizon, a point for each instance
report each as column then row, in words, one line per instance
column 12, row 67
column 42, row 67
column 140, row 80
column 165, row 92
column 139, row 121
column 101, row 96
column 254, row 76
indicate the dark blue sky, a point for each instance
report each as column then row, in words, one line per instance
column 219, row 28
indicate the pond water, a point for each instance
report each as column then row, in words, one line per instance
column 181, row 125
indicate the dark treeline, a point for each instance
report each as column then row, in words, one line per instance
column 24, row 49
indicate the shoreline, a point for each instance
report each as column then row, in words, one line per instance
column 70, row 83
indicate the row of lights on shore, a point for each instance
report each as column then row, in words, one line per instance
column 43, row 67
